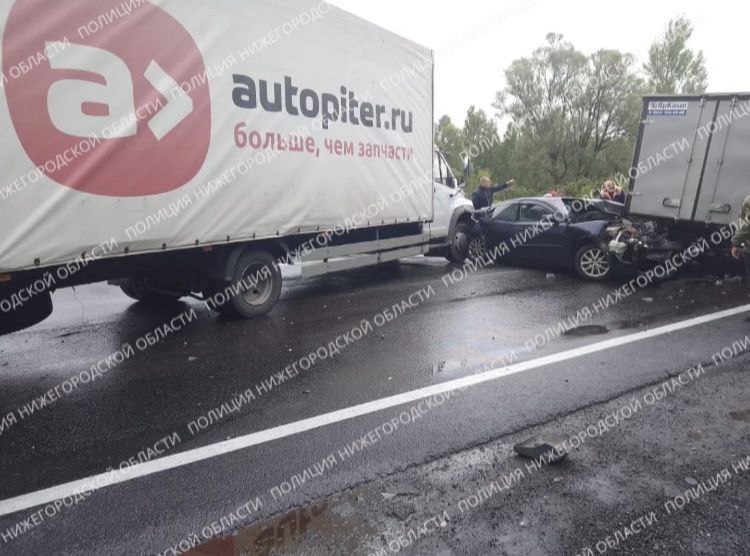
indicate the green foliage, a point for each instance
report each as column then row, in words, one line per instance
column 573, row 117
column 450, row 140
column 569, row 109
column 582, row 187
column 672, row 67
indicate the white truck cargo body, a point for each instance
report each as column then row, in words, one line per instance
column 167, row 124
column 692, row 160
column 195, row 148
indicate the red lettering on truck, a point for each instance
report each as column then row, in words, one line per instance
column 110, row 109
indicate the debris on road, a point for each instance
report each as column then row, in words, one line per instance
column 391, row 495
column 551, row 450
column 589, row 330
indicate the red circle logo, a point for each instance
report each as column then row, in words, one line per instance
column 109, row 97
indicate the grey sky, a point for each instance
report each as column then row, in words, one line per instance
column 471, row 71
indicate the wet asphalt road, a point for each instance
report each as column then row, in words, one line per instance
column 158, row 392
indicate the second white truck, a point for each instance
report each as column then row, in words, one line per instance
column 690, row 176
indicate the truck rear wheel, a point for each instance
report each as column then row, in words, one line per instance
column 258, row 278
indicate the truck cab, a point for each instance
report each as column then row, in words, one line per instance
column 449, row 235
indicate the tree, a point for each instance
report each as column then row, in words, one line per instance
column 449, row 139
column 482, row 142
column 539, row 98
column 607, row 108
column 568, row 108
column 672, row 67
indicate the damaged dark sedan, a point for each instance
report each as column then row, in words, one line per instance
column 553, row 233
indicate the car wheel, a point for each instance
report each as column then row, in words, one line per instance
column 458, row 249
column 592, row 263
column 477, row 248
column 259, row 280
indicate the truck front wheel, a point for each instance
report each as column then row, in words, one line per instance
column 458, row 249
column 257, row 280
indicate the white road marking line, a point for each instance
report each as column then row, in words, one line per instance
column 97, row 482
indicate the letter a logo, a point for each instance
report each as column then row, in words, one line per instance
column 106, row 76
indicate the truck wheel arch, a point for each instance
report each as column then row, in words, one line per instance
column 226, row 262
column 461, row 214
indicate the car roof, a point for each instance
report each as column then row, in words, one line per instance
column 552, row 201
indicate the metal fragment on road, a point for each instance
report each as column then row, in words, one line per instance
column 550, row 449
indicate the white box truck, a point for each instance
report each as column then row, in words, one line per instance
column 187, row 147
column 690, row 174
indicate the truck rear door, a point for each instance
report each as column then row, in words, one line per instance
column 671, row 156
column 726, row 181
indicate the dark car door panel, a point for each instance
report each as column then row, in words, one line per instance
column 537, row 233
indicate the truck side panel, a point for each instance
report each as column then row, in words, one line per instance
column 164, row 125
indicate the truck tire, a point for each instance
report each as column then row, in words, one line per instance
column 592, row 263
column 34, row 311
column 265, row 286
column 458, row 249
column 136, row 289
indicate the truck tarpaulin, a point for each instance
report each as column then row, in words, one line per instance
column 175, row 123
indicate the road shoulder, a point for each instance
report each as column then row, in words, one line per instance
column 661, row 475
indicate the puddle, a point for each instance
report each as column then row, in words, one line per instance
column 68, row 334
column 743, row 416
column 294, row 533
column 586, row 331
column 630, row 324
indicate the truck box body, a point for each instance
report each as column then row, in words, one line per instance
column 691, row 162
column 176, row 123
